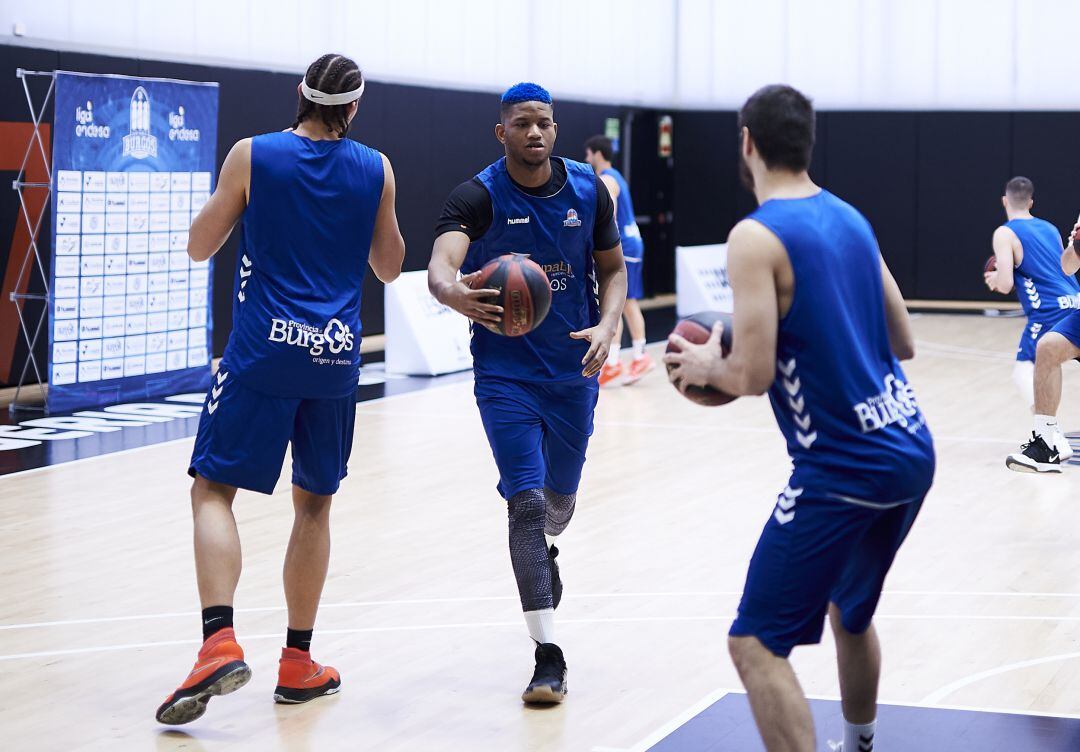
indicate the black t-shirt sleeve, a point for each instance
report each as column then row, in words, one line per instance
column 605, row 230
column 467, row 209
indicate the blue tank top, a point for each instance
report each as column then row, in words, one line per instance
column 1042, row 288
column 557, row 233
column 306, row 236
column 853, row 428
column 624, row 215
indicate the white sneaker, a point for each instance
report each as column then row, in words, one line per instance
column 1062, row 445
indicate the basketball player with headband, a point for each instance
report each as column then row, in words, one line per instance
column 536, row 393
column 315, row 210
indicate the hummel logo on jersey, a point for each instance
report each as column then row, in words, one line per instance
column 571, row 219
column 517, row 220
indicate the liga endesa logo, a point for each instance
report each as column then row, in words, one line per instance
column 336, row 337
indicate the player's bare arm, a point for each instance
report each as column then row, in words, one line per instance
column 612, row 185
column 611, row 279
column 1008, row 255
column 1070, row 260
column 387, row 245
column 755, row 257
column 897, row 320
column 447, row 256
column 215, row 222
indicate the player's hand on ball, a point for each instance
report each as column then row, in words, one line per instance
column 988, row 278
column 470, row 303
column 694, row 365
column 599, row 337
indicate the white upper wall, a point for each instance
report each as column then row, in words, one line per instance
column 935, row 54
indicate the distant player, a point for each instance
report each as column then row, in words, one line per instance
column 536, row 393
column 315, row 209
column 819, row 324
column 1028, row 252
column 599, row 153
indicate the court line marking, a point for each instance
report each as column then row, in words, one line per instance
column 517, row 624
column 569, row 596
column 715, row 696
column 943, row 692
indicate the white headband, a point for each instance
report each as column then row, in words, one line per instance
column 319, row 97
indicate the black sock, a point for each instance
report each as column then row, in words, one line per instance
column 299, row 639
column 215, row 618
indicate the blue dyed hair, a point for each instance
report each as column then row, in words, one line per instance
column 525, row 92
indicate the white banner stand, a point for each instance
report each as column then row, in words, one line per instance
column 423, row 337
column 701, row 280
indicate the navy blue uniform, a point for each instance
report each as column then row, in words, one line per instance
column 1047, row 295
column 633, row 248
column 536, row 406
column 862, row 455
column 291, row 366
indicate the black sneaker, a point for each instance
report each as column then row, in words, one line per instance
column 1035, row 457
column 556, row 580
column 548, row 683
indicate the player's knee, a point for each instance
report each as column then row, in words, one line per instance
column 744, row 652
column 311, row 506
column 526, row 506
column 1053, row 349
column 560, row 509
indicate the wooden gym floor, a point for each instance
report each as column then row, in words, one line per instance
column 98, row 610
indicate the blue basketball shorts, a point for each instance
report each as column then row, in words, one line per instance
column 538, row 432
column 243, row 435
column 1069, row 327
column 633, row 254
column 815, row 550
column 1036, row 329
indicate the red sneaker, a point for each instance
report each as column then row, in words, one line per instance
column 610, row 375
column 638, row 368
column 301, row 679
column 219, row 670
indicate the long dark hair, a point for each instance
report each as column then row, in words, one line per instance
column 330, row 74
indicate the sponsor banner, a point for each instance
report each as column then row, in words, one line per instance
column 133, row 162
column 701, row 280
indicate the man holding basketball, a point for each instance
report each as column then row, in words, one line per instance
column 819, row 324
column 537, row 392
column 316, row 209
column 1027, row 254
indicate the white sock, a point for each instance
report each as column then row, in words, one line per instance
column 613, row 354
column 550, row 540
column 639, row 348
column 859, row 738
column 541, row 624
column 1047, row 427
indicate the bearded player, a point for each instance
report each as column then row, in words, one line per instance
column 536, row 393
column 819, row 324
column 316, row 209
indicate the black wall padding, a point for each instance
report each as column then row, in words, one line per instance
column 872, row 158
column 964, row 160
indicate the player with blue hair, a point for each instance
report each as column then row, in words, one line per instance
column 536, row 393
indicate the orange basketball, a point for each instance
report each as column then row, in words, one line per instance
column 696, row 329
column 524, row 292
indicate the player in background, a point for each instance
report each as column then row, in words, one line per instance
column 819, row 324
column 315, row 210
column 1028, row 255
column 536, row 393
column 599, row 152
column 1043, row 454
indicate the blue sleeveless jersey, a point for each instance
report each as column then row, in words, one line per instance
column 1042, row 288
column 624, row 215
column 306, row 236
column 557, row 233
column 853, row 428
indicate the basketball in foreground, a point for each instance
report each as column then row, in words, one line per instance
column 696, row 329
column 524, row 292
column 990, row 265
